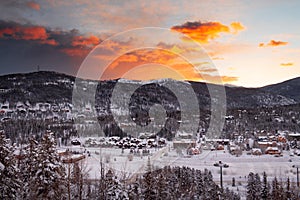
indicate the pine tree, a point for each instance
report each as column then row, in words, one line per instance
column 233, row 182
column 134, row 191
column 210, row 190
column 49, row 179
column 149, row 192
column 265, row 190
column 253, row 187
column 28, row 167
column 113, row 188
column 9, row 182
column 275, row 194
column 288, row 188
column 161, row 187
column 230, row 195
column 199, row 184
column 257, row 183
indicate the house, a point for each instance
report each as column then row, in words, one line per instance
column 272, row 151
column 266, row 144
column 218, row 141
column 184, row 141
column 184, row 144
column 256, row 152
column 294, row 136
column 220, row 147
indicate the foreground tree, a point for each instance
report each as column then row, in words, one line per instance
column 265, row 192
column 9, row 182
column 43, row 172
column 253, row 187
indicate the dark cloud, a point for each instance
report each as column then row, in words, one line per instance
column 24, row 46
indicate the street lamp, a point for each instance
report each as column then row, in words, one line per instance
column 297, row 167
column 221, row 165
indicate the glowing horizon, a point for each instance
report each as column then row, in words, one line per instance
column 250, row 44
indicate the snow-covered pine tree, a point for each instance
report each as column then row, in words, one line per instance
column 134, row 191
column 281, row 191
column 211, row 189
column 114, row 188
column 257, row 183
column 148, row 183
column 294, row 191
column 172, row 182
column 28, row 167
column 162, row 193
column 9, row 181
column 49, row 180
column 288, row 188
column 199, row 184
column 230, row 195
column 275, row 194
column 252, row 193
column 265, row 193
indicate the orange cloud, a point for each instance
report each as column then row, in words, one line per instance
column 33, row 5
column 286, row 64
column 277, row 43
column 229, row 79
column 142, row 57
column 6, row 31
column 81, row 45
column 237, row 26
column 33, row 33
column 90, row 41
column 69, row 42
column 273, row 43
column 205, row 32
column 36, row 33
column 49, row 42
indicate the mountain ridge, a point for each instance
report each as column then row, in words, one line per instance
column 56, row 87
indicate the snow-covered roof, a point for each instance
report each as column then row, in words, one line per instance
column 217, row 140
column 272, row 148
column 294, row 134
column 256, row 149
column 262, row 137
column 265, row 143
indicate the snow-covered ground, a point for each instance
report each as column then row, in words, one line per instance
column 127, row 165
column 239, row 167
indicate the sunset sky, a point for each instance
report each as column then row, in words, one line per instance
column 245, row 43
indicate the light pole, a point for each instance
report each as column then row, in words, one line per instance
column 221, row 165
column 297, row 167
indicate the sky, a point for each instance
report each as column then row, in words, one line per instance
column 246, row 43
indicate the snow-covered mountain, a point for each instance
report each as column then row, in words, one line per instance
column 56, row 87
